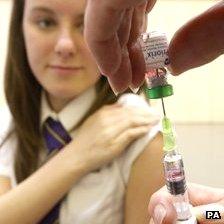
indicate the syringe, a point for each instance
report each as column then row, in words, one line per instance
column 175, row 176
column 154, row 47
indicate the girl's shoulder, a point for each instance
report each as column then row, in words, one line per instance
column 126, row 160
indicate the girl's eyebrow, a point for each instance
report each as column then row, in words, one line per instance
column 43, row 9
column 80, row 16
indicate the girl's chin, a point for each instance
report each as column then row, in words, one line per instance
column 58, row 100
column 63, row 94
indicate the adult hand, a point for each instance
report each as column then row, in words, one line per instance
column 108, row 132
column 111, row 31
column 204, row 198
column 199, row 41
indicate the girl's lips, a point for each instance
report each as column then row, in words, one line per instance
column 65, row 70
column 65, row 67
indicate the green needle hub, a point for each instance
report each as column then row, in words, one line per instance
column 168, row 136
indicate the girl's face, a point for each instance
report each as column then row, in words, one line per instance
column 57, row 53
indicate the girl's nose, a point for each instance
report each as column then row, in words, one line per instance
column 65, row 46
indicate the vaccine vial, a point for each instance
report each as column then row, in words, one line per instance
column 154, row 47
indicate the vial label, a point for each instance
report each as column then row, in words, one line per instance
column 154, row 46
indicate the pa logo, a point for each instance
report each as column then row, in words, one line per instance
column 213, row 215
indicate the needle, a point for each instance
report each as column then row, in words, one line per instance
column 164, row 112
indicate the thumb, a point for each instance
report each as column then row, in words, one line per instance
column 161, row 208
column 210, row 213
column 199, row 41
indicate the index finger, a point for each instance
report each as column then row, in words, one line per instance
column 102, row 21
column 101, row 36
column 199, row 41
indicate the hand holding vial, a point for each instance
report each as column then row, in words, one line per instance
column 112, row 33
column 196, row 43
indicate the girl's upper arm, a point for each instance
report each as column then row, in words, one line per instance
column 5, row 184
column 145, row 178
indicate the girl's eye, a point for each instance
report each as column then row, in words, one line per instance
column 46, row 23
column 80, row 26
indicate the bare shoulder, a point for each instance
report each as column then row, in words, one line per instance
column 146, row 177
column 149, row 162
column 154, row 148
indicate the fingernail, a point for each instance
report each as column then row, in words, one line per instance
column 159, row 214
column 116, row 93
column 169, row 68
column 134, row 90
column 150, row 5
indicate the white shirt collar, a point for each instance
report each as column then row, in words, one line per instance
column 72, row 113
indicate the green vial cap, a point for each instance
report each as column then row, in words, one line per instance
column 159, row 92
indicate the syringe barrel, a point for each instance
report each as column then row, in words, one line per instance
column 174, row 173
column 176, row 184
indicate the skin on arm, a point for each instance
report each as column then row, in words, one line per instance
column 146, row 177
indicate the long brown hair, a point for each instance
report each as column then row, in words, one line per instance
column 23, row 97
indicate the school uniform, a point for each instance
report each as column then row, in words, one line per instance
column 98, row 198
